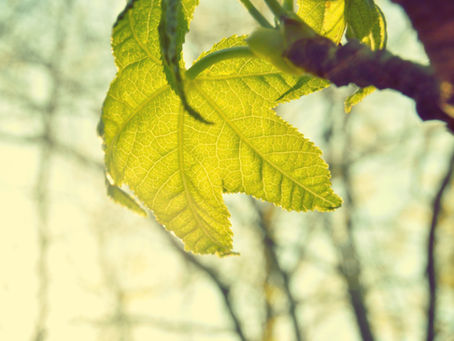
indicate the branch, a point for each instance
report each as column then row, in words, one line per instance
column 342, row 237
column 271, row 250
column 181, row 327
column 18, row 139
column 44, row 176
column 431, row 266
column 222, row 287
column 434, row 22
column 356, row 63
column 350, row 267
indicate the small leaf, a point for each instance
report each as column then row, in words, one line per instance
column 326, row 17
column 301, row 84
column 172, row 28
column 366, row 23
column 124, row 199
column 357, row 97
column 179, row 167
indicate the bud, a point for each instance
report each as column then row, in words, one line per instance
column 270, row 44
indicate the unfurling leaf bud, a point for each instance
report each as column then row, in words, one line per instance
column 270, row 44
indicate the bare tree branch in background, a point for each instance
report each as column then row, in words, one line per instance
column 342, row 235
column 270, row 315
column 44, row 139
column 119, row 318
column 180, row 327
column 222, row 287
column 270, row 250
column 431, row 244
column 43, row 178
column 42, row 203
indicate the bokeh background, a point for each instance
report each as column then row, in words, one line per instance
column 75, row 266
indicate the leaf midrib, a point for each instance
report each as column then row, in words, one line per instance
column 189, row 199
column 180, row 135
column 245, row 140
column 236, row 76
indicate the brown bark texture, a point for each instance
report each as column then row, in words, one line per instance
column 431, row 86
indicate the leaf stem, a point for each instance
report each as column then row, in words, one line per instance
column 431, row 261
column 288, row 5
column 216, row 57
column 254, row 12
column 276, row 8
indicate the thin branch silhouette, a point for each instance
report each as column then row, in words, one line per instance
column 431, row 244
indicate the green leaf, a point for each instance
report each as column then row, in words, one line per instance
column 172, row 28
column 366, row 23
column 123, row 198
column 326, row 17
column 357, row 97
column 179, row 167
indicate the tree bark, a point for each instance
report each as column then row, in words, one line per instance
column 431, row 86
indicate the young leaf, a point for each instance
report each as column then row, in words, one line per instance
column 172, row 29
column 357, row 97
column 366, row 23
column 179, row 167
column 326, row 17
column 124, row 199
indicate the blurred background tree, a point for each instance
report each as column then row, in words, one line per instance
column 75, row 266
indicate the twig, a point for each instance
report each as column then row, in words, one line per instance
column 42, row 204
column 18, row 139
column 434, row 22
column 221, row 286
column 350, row 266
column 356, row 63
column 431, row 266
column 342, row 237
column 270, row 248
column 182, row 327
column 43, row 178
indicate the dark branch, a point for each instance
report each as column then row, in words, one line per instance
column 431, row 266
column 356, row 63
column 434, row 22
column 350, row 266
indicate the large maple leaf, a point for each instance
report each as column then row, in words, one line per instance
column 178, row 166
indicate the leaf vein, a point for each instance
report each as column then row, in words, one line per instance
column 244, row 139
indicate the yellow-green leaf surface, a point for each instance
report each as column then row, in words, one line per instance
column 366, row 23
column 326, row 17
column 179, row 167
column 357, row 97
column 123, row 198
